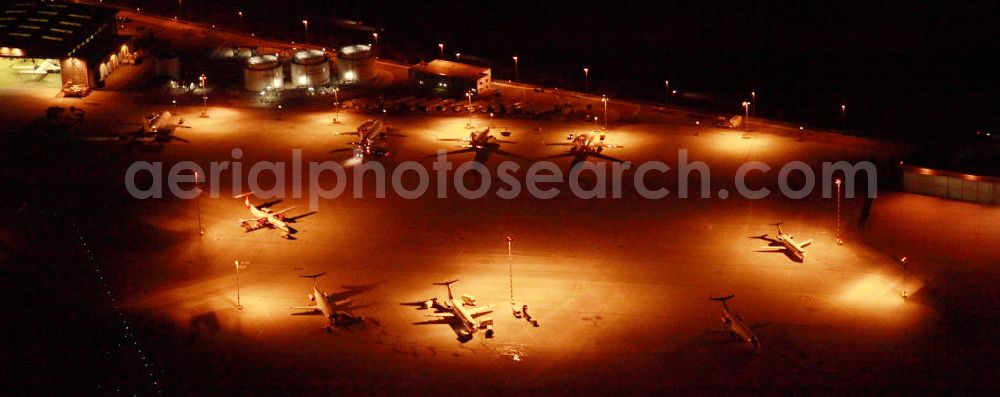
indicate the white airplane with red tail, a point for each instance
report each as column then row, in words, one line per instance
column 264, row 217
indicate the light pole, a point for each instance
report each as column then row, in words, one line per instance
column 468, row 94
column 746, row 115
column 441, row 50
column 201, row 230
column 375, row 35
column 753, row 103
column 515, row 67
column 839, row 240
column 903, row 291
column 605, row 100
column 458, row 56
column 666, row 86
column 586, row 78
column 204, row 95
column 336, row 105
column 843, row 116
column 510, row 271
column 241, row 19
column 305, row 23
column 238, row 305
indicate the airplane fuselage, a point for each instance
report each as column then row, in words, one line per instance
column 586, row 143
column 792, row 246
column 735, row 325
column 369, row 133
column 266, row 216
column 322, row 303
column 468, row 322
column 732, row 322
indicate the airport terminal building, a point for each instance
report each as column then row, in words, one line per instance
column 77, row 42
column 450, row 78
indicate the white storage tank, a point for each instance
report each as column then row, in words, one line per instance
column 263, row 71
column 310, row 68
column 355, row 63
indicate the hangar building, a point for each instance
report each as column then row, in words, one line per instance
column 76, row 42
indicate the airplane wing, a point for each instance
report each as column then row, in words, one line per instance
column 440, row 315
column 454, row 139
column 506, row 153
column 560, row 144
column 282, row 211
column 770, row 249
column 343, row 302
column 805, row 243
column 481, row 310
column 612, row 146
column 605, row 157
column 464, row 150
column 306, row 308
column 349, row 133
column 242, row 221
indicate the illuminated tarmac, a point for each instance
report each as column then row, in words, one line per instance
column 620, row 286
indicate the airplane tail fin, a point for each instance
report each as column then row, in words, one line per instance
column 448, row 284
column 778, row 225
column 723, row 299
column 246, row 197
column 313, row 276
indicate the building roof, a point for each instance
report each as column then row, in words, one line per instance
column 50, row 29
column 448, row 68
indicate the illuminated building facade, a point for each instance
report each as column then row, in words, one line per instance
column 450, row 78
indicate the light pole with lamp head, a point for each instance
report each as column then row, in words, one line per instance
column 305, row 23
column 746, row 121
column 515, row 67
column 605, row 100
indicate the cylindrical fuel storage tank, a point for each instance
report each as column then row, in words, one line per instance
column 263, row 71
column 310, row 68
column 355, row 63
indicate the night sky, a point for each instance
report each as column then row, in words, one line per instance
column 905, row 70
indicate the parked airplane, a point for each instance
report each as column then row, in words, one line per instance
column 370, row 133
column 327, row 307
column 478, row 139
column 583, row 145
column 480, row 142
column 264, row 217
column 160, row 127
column 47, row 66
column 451, row 310
column 732, row 322
column 785, row 242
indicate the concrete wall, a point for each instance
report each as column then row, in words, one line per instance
column 956, row 186
column 75, row 70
